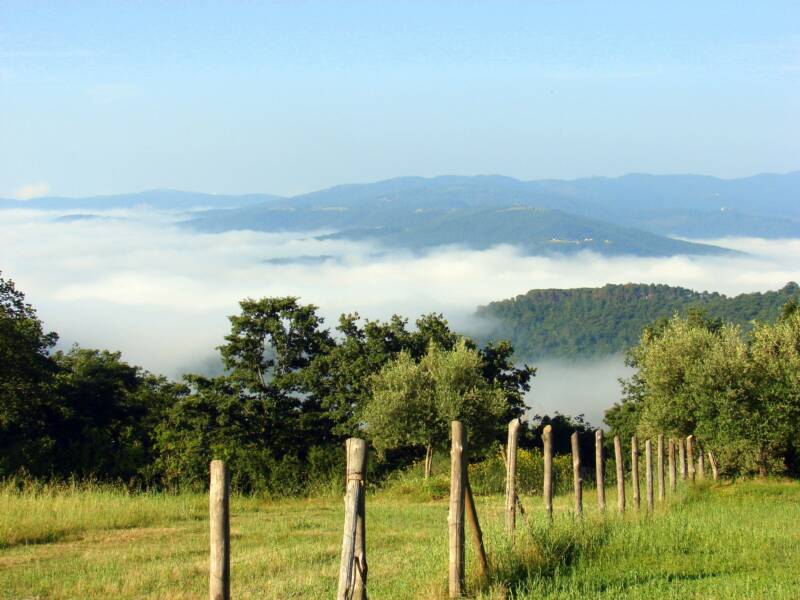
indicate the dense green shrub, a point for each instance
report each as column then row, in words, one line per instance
column 489, row 475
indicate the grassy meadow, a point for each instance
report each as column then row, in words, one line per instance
column 726, row 541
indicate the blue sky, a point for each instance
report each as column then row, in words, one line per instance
column 286, row 97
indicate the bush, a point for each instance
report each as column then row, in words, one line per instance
column 489, row 475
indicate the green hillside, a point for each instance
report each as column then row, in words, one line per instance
column 589, row 322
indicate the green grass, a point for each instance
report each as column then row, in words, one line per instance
column 730, row 541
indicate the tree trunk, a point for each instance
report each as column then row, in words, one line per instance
column 428, row 460
column 762, row 461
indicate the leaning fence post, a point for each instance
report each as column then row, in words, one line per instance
column 547, row 491
column 599, row 460
column 577, row 481
column 511, row 477
column 690, row 457
column 219, row 517
column 455, row 518
column 353, row 564
column 635, row 471
column 620, row 474
column 660, row 467
column 475, row 527
column 682, row 458
column 671, row 458
column 713, row 462
column 648, row 461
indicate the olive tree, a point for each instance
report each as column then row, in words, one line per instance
column 413, row 403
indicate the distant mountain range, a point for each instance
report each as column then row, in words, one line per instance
column 634, row 214
column 594, row 322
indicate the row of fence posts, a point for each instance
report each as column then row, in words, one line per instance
column 353, row 564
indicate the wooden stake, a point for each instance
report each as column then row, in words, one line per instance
column 672, row 474
column 648, row 459
column 599, row 459
column 620, row 474
column 475, row 527
column 353, row 563
column 701, row 464
column 660, row 467
column 577, row 481
column 547, row 491
column 219, row 517
column 635, row 471
column 682, row 458
column 714, row 469
column 690, row 457
column 455, row 518
column 511, row 477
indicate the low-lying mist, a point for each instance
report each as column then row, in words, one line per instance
column 135, row 281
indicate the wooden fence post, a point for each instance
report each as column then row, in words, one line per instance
column 635, row 471
column 455, row 518
column 577, row 481
column 353, row 564
column 660, row 467
column 672, row 474
column 599, row 459
column 511, row 477
column 547, row 491
column 682, row 458
column 690, row 457
column 620, row 474
column 648, row 459
column 701, row 464
column 219, row 517
column 475, row 527
column 713, row 462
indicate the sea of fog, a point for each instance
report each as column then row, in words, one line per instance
column 137, row 282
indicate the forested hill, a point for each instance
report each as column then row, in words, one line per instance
column 590, row 322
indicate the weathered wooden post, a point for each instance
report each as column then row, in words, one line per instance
column 455, row 518
column 353, row 564
column 690, row 457
column 714, row 470
column 547, row 491
column 219, row 581
column 648, row 461
column 577, row 481
column 635, row 471
column 620, row 474
column 672, row 474
column 660, row 467
column 511, row 477
column 599, row 460
column 701, row 464
column 475, row 527
column 682, row 458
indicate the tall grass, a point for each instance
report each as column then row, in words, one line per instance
column 92, row 541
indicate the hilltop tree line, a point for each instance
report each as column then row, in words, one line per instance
column 291, row 392
column 588, row 322
column 737, row 392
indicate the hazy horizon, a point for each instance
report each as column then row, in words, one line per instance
column 290, row 97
